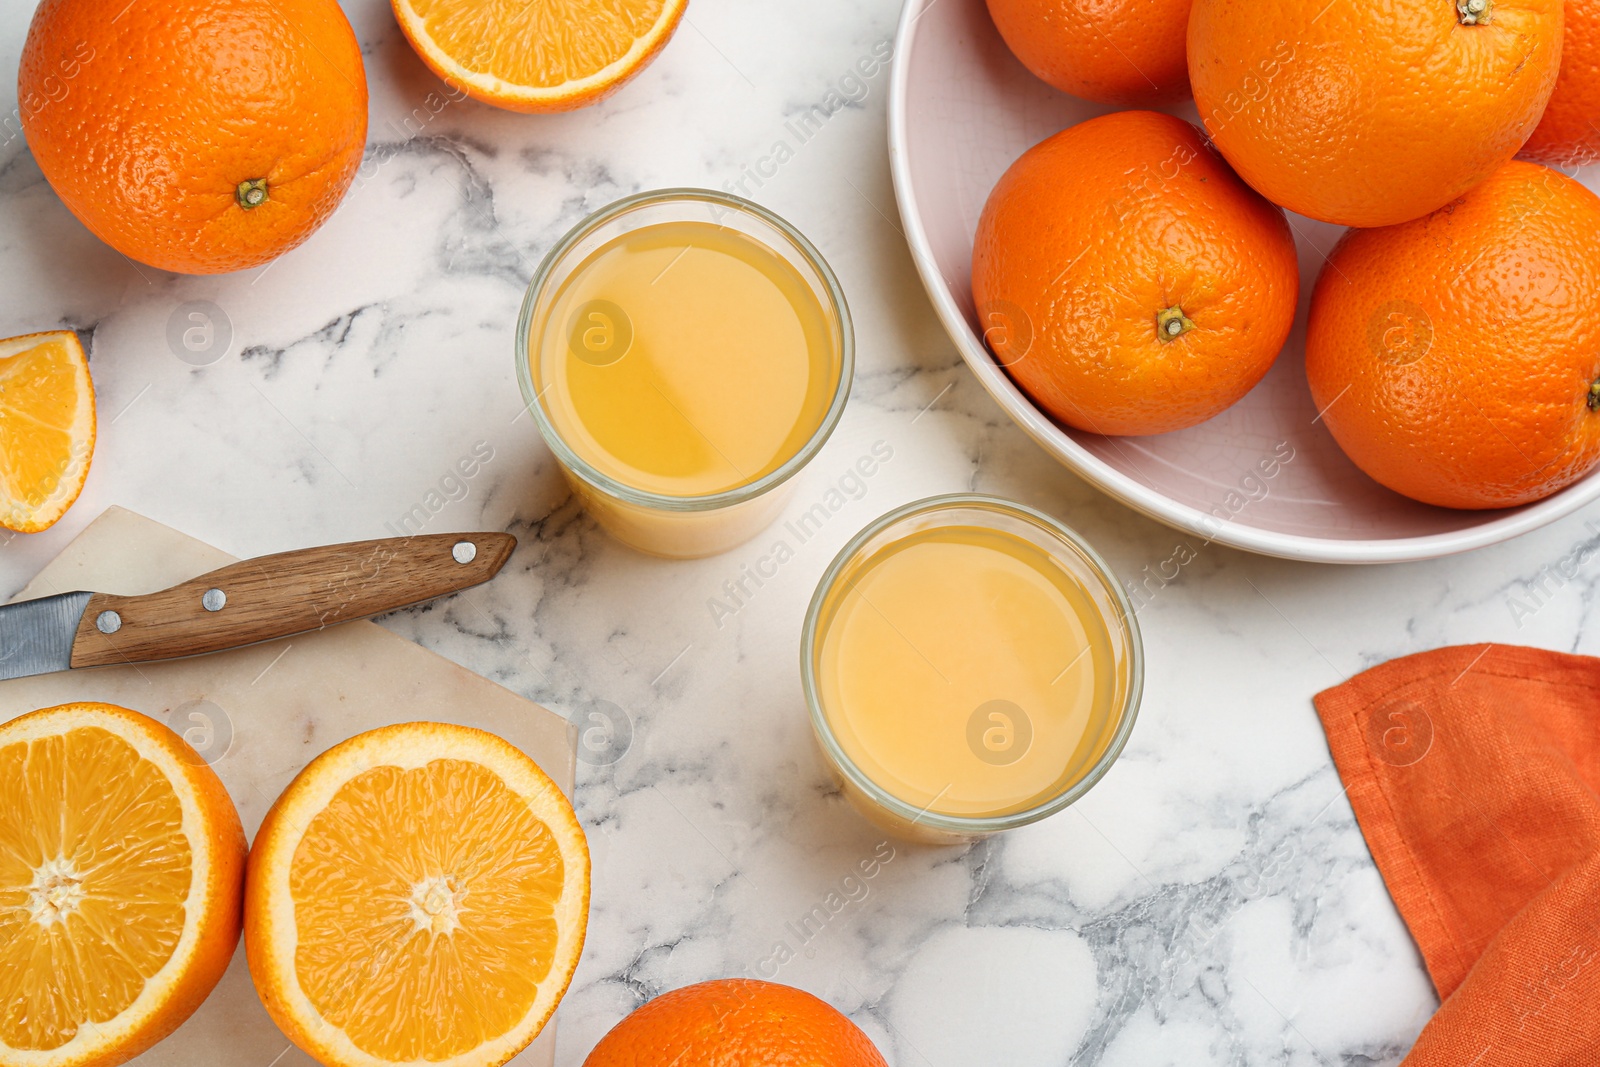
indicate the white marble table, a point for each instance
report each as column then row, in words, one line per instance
column 1211, row 902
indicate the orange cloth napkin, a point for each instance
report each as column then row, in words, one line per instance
column 1474, row 773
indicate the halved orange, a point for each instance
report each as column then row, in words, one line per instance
column 47, row 428
column 538, row 55
column 419, row 894
column 121, row 872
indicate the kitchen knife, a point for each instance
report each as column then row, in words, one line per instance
column 254, row 600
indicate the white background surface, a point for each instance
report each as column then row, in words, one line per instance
column 1211, row 902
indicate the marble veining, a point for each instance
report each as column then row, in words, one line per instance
column 1210, row 902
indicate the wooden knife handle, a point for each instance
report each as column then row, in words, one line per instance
column 284, row 594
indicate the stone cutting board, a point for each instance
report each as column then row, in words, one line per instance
column 259, row 715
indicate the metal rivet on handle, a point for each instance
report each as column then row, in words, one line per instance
column 213, row 599
column 108, row 622
column 464, row 552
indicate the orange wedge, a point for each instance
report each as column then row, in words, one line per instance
column 419, row 894
column 46, row 428
column 121, row 869
column 538, row 55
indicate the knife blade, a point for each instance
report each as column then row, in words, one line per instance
column 244, row 603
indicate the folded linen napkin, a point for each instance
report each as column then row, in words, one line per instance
column 1475, row 775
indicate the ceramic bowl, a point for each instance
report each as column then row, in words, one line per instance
column 1265, row 475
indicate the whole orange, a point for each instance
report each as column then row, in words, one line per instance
column 1370, row 114
column 1128, row 280
column 1126, row 52
column 1455, row 358
column 198, row 136
column 735, row 1022
column 1567, row 135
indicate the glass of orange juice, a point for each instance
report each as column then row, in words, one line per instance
column 684, row 353
column 971, row 666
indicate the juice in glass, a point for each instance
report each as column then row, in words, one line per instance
column 684, row 354
column 970, row 666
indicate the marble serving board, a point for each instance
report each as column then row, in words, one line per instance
column 260, row 714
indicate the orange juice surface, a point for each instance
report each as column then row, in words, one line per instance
column 965, row 672
column 686, row 358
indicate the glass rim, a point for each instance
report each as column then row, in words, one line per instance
column 832, row 294
column 968, row 825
